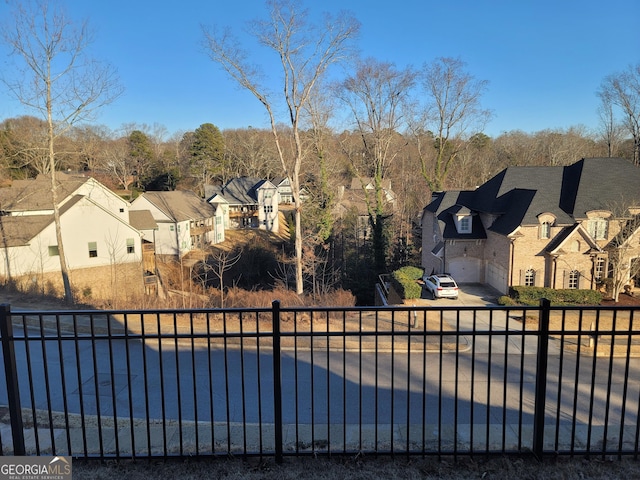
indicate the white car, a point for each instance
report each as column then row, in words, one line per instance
column 441, row 285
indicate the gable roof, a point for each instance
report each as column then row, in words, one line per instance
column 599, row 184
column 239, row 191
column 142, row 220
column 35, row 194
column 447, row 204
column 180, row 205
column 20, row 230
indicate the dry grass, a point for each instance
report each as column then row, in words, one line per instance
column 362, row 468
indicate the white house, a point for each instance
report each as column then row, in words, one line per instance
column 184, row 221
column 251, row 202
column 95, row 230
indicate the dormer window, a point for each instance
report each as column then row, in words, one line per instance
column 465, row 224
column 598, row 228
column 545, row 230
column 462, row 219
column 547, row 220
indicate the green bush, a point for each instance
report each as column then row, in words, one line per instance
column 506, row 300
column 404, row 282
column 414, row 273
column 533, row 295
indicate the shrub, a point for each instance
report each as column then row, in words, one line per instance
column 506, row 300
column 533, row 295
column 404, row 282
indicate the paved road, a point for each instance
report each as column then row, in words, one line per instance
column 492, row 382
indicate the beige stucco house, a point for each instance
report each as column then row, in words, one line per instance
column 540, row 226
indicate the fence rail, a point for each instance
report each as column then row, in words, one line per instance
column 305, row 381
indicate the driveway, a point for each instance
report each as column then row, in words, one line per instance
column 469, row 295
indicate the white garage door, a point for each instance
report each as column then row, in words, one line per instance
column 465, row 270
column 497, row 277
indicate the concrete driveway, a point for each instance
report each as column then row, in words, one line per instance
column 469, row 295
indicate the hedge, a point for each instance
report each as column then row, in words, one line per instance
column 404, row 281
column 533, row 295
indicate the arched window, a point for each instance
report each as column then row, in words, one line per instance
column 574, row 275
column 545, row 230
column 575, row 246
column 530, row 278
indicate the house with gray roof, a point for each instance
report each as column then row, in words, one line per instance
column 247, row 202
column 538, row 226
column 183, row 221
column 97, row 237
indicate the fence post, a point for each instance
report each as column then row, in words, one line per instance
column 11, row 376
column 541, row 378
column 277, row 381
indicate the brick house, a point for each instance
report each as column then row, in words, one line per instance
column 538, row 226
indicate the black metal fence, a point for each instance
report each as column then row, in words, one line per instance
column 305, row 381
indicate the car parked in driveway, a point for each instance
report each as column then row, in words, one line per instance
column 441, row 286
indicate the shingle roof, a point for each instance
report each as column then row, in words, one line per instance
column 20, row 230
column 600, row 184
column 446, row 205
column 237, row 191
column 181, row 205
column 518, row 195
column 33, row 195
column 142, row 220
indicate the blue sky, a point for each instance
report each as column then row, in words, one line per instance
column 543, row 59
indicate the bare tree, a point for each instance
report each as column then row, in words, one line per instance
column 220, row 261
column 305, row 52
column 624, row 249
column 25, row 144
column 55, row 77
column 451, row 112
column 250, row 152
column 376, row 95
column 622, row 90
column 610, row 130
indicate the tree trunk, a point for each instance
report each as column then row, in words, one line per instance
column 64, row 269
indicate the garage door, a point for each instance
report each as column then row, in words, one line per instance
column 465, row 270
column 497, row 277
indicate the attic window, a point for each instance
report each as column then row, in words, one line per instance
column 464, row 224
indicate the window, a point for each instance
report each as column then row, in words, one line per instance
column 268, row 209
column 598, row 269
column 171, row 228
column 93, row 249
column 131, row 245
column 530, row 278
column 545, row 230
column 574, row 275
column 465, row 225
column 53, row 251
column 597, row 228
column 122, row 210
